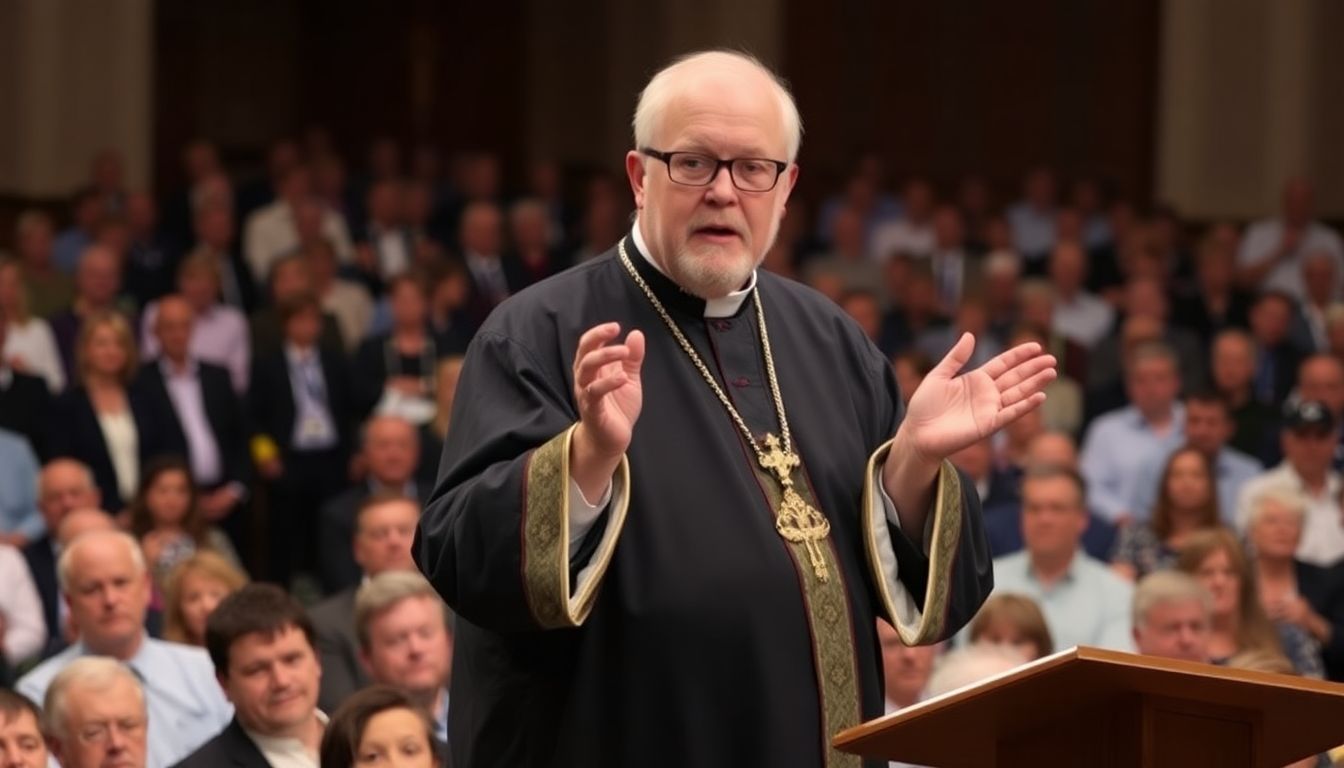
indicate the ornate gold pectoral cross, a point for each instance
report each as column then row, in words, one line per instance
column 796, row 520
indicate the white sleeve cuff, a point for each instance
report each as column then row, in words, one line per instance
column 582, row 514
column 888, row 508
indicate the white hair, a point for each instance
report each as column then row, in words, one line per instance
column 668, row 82
column 66, row 564
column 1285, row 497
column 98, row 673
column 1164, row 587
column 969, row 665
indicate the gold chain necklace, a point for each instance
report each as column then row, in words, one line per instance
column 795, row 520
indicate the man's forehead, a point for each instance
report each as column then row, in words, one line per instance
column 715, row 113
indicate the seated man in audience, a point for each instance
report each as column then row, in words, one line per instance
column 261, row 644
column 391, row 454
column 106, row 584
column 97, row 715
column 1003, row 520
column 21, row 742
column 1119, row 442
column 404, row 640
column 1083, row 601
column 1321, row 378
column 384, row 529
column 1232, row 364
column 63, row 485
column 905, row 668
column 1173, row 614
column 1308, row 440
column 1208, row 426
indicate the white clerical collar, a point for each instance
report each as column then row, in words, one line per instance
column 726, row 306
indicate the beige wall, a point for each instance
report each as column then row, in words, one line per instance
column 1250, row 95
column 75, row 77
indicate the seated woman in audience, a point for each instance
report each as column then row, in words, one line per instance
column 101, row 421
column 193, row 590
column 380, row 725
column 1186, row 503
column 1292, row 592
column 1216, row 560
column 1014, row 621
column 395, row 373
column 29, row 346
column 166, row 518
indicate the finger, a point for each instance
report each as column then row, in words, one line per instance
column 634, row 342
column 1036, row 384
column 594, row 338
column 1006, row 360
column 956, row 357
column 1018, row 410
column 1020, row 373
column 603, row 386
column 591, row 364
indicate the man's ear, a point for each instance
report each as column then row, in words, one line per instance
column 634, row 171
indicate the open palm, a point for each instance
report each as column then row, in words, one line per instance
column 951, row 410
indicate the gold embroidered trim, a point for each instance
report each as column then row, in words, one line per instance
column 546, row 537
column 832, row 634
column 947, row 513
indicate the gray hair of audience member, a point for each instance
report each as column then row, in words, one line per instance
column 65, row 565
column 969, row 665
column 1057, row 472
column 668, row 83
column 96, row 672
column 1164, row 587
column 385, row 590
column 1289, row 499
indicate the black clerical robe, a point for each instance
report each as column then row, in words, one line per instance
column 682, row 630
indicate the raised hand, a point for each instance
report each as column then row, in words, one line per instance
column 949, row 411
column 609, row 396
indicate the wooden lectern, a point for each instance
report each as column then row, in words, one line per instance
column 1103, row 709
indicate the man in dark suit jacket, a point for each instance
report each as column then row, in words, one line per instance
column 391, row 452
column 384, row 528
column 301, row 406
column 63, row 486
column 261, row 626
column 201, row 417
column 25, row 403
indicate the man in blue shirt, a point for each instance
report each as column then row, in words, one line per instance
column 1208, row 427
column 106, row 584
column 20, row 521
column 1121, row 441
column 1083, row 601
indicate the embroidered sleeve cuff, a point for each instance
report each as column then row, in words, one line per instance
column 549, row 517
column 941, row 535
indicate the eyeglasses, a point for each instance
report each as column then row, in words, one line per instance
column 749, row 174
column 100, row 732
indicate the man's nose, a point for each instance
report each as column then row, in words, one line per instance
column 721, row 188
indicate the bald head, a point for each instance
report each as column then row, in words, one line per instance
column 1052, row 449
column 172, row 327
column 81, row 521
column 711, row 73
column 103, row 577
column 64, row 485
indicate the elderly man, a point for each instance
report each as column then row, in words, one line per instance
column 21, row 742
column 731, row 551
column 1173, row 614
column 97, row 715
column 104, row 580
column 384, row 528
column 63, row 486
column 262, row 647
column 404, row 640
